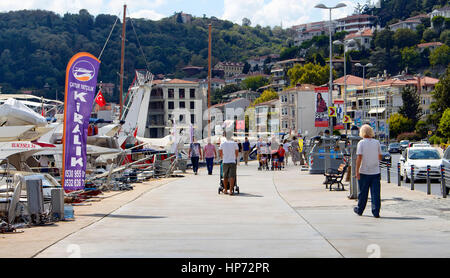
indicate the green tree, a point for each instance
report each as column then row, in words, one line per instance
column 422, row 128
column 411, row 105
column 441, row 96
column 399, row 124
column 310, row 74
column 405, row 38
column 440, row 56
column 429, row 35
column 254, row 82
column 438, row 23
column 410, row 58
column 267, row 95
column 444, row 125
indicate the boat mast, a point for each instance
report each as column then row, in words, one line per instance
column 209, row 82
column 122, row 60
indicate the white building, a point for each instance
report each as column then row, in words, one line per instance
column 407, row 24
column 445, row 12
column 354, row 23
column 297, row 111
column 179, row 100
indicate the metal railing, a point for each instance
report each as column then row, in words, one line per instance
column 443, row 175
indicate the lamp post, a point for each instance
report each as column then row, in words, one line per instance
column 330, row 95
column 345, row 44
column 364, row 87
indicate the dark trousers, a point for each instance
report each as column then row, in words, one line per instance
column 371, row 182
column 210, row 164
column 194, row 161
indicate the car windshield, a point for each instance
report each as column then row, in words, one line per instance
column 394, row 145
column 424, row 154
column 404, row 142
column 383, row 148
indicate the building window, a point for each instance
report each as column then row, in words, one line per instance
column 192, row 105
column 192, row 93
column 181, row 119
column 181, row 94
column 171, row 105
column 171, row 93
column 192, row 119
column 182, row 104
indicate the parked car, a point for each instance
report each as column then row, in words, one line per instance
column 420, row 158
column 446, row 163
column 386, row 155
column 394, row 148
column 404, row 145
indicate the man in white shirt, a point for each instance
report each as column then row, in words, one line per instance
column 229, row 151
column 368, row 171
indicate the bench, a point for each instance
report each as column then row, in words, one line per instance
column 333, row 176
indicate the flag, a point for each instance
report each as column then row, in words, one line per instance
column 81, row 82
column 100, row 100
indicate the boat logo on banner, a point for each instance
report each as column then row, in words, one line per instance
column 83, row 71
column 81, row 84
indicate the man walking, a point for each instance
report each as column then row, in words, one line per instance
column 368, row 171
column 246, row 147
column 229, row 151
column 210, row 153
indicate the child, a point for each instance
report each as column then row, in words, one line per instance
column 281, row 154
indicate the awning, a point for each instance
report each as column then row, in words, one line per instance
column 377, row 110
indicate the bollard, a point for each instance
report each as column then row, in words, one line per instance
column 389, row 172
column 399, row 180
column 428, row 180
column 412, row 177
column 443, row 186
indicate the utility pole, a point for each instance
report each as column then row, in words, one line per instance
column 122, row 59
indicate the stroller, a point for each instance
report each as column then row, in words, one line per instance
column 276, row 165
column 263, row 163
column 222, row 187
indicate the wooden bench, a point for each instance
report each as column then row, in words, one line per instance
column 333, row 176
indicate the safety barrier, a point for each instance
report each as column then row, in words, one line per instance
column 443, row 175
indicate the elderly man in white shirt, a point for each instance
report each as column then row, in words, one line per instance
column 368, row 171
column 229, row 151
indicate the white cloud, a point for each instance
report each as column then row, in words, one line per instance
column 273, row 12
column 137, row 8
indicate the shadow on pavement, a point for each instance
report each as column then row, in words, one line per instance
column 399, row 218
column 248, row 195
column 124, row 216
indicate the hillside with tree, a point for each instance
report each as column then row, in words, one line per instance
column 35, row 46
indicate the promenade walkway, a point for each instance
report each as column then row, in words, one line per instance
column 286, row 214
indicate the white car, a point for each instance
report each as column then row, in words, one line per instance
column 446, row 163
column 420, row 158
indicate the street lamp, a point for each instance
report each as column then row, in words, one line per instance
column 364, row 87
column 330, row 95
column 345, row 44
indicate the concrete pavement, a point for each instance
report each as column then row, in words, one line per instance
column 279, row 214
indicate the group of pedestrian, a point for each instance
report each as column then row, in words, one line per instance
column 267, row 150
column 209, row 154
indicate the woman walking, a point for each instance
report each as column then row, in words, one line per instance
column 195, row 153
column 210, row 153
column 294, row 151
column 368, row 171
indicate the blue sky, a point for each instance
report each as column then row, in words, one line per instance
column 262, row 12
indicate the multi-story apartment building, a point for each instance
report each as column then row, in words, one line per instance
column 297, row 111
column 380, row 99
column 267, row 118
column 307, row 31
column 175, row 100
column 363, row 38
column 230, row 68
column 354, row 23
